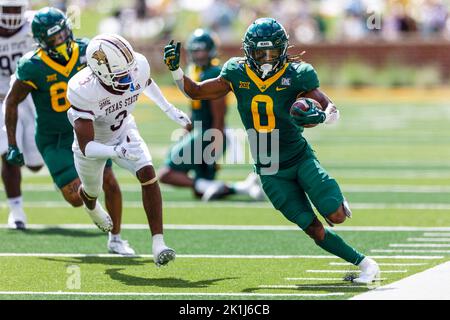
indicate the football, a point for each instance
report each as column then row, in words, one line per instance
column 303, row 104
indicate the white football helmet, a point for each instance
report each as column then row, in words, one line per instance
column 113, row 61
column 9, row 20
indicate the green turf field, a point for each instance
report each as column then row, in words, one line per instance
column 391, row 157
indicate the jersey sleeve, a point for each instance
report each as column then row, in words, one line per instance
column 307, row 79
column 228, row 69
column 26, row 71
column 211, row 73
column 81, row 107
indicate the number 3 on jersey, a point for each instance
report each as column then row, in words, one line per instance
column 268, row 106
column 58, row 97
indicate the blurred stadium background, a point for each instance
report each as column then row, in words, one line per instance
column 386, row 43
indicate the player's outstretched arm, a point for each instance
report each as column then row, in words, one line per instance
column 154, row 93
column 332, row 113
column 18, row 92
column 206, row 90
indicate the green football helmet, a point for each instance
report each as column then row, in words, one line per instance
column 201, row 47
column 52, row 31
column 265, row 45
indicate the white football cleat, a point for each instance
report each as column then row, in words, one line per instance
column 370, row 271
column 215, row 191
column 121, row 247
column 163, row 256
column 17, row 219
column 100, row 217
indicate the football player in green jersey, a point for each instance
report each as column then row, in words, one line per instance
column 266, row 82
column 44, row 73
column 206, row 115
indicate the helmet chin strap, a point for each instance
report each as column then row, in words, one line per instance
column 266, row 68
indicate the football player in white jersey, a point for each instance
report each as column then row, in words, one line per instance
column 102, row 99
column 15, row 41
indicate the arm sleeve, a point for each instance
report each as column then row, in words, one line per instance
column 227, row 70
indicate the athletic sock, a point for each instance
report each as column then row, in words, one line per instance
column 334, row 244
column 114, row 237
column 158, row 242
column 15, row 203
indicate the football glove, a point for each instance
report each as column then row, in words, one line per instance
column 14, row 156
column 312, row 116
column 129, row 150
column 178, row 116
column 172, row 55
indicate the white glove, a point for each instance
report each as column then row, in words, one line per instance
column 332, row 114
column 178, row 116
column 129, row 150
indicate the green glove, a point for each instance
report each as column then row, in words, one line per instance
column 14, row 156
column 313, row 116
column 172, row 55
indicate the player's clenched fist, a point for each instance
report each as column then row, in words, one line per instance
column 172, row 55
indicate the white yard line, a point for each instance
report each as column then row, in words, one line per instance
column 322, row 279
column 245, row 204
column 382, row 264
column 353, row 271
column 408, row 251
column 436, row 234
column 429, row 239
column 431, row 284
column 354, row 188
column 161, row 294
column 207, row 256
column 300, row 286
column 232, row 227
column 419, row 245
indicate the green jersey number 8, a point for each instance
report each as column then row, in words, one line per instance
column 268, row 106
column 58, row 97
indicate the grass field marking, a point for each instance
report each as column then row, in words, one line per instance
column 305, row 286
column 161, row 294
column 428, row 284
column 354, row 188
column 242, row 204
column 408, row 251
column 209, row 256
column 323, row 279
column 355, row 271
column 382, row 264
column 436, row 234
column 231, row 227
column 419, row 245
column 429, row 239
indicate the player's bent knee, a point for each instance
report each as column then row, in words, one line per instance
column 74, row 200
column 316, row 231
column 34, row 168
column 338, row 216
column 164, row 174
column 147, row 176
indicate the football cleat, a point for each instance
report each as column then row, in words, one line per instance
column 215, row 191
column 370, row 271
column 100, row 217
column 121, row 247
column 17, row 220
column 347, row 210
column 164, row 256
